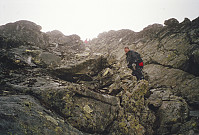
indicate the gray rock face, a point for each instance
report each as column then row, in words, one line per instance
column 22, row 114
column 170, row 57
column 182, row 83
column 88, row 89
column 171, row 110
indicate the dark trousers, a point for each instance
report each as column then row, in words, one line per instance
column 138, row 72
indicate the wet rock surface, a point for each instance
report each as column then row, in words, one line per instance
column 51, row 83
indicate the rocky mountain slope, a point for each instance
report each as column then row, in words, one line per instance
column 54, row 84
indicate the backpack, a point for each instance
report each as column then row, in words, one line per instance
column 138, row 57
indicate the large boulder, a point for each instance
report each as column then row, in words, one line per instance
column 134, row 116
column 81, row 69
column 22, row 114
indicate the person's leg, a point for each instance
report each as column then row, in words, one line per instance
column 135, row 73
column 142, row 76
column 139, row 74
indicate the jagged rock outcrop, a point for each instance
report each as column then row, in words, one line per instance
column 110, row 42
column 25, row 31
column 171, row 22
column 64, row 45
column 170, row 57
column 76, row 89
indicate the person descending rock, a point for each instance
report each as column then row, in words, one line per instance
column 134, row 62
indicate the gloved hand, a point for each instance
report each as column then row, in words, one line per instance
column 134, row 66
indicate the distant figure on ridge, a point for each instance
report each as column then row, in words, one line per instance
column 134, row 62
column 86, row 41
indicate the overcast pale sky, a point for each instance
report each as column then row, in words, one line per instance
column 88, row 18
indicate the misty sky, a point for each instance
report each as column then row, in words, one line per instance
column 88, row 18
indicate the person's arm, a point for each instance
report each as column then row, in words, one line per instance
column 129, row 65
column 131, row 60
